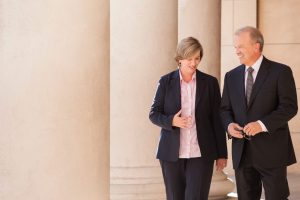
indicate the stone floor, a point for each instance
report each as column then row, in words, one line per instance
column 294, row 184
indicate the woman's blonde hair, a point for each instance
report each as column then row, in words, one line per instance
column 187, row 47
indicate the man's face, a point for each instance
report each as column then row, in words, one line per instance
column 246, row 49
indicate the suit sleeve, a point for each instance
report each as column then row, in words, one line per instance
column 287, row 102
column 157, row 115
column 226, row 108
column 217, row 124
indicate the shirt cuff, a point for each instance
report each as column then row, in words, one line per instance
column 228, row 135
column 263, row 127
column 228, row 126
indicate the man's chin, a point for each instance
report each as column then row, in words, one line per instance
column 242, row 61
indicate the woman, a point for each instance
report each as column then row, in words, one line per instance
column 186, row 107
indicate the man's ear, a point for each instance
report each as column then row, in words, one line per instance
column 257, row 47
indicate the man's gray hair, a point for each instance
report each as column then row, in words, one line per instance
column 255, row 35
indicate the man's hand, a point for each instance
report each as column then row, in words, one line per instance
column 252, row 128
column 181, row 122
column 235, row 130
column 221, row 163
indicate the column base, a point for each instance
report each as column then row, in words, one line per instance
column 220, row 186
column 137, row 183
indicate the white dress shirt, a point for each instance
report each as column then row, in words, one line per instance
column 255, row 67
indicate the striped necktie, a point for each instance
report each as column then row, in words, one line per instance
column 249, row 84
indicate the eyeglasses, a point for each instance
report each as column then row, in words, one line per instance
column 247, row 137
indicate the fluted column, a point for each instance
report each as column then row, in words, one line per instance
column 54, row 100
column 143, row 42
column 202, row 19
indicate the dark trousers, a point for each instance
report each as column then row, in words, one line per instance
column 187, row 179
column 250, row 179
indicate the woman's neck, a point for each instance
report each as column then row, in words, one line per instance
column 187, row 77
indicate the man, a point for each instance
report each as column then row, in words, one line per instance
column 259, row 98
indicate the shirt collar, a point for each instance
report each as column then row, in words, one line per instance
column 256, row 65
column 193, row 77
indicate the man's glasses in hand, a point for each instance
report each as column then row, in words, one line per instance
column 246, row 136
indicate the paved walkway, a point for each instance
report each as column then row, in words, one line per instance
column 294, row 184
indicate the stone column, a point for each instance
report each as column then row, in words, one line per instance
column 202, row 19
column 143, row 42
column 284, row 50
column 100, row 76
column 54, row 100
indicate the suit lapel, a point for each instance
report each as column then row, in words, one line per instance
column 240, row 84
column 260, row 79
column 200, row 87
column 176, row 89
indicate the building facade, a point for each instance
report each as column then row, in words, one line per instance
column 78, row 77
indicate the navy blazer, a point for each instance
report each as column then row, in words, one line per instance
column 167, row 102
column 273, row 101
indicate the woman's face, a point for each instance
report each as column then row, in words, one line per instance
column 189, row 65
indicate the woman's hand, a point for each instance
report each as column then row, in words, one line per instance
column 221, row 163
column 181, row 122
